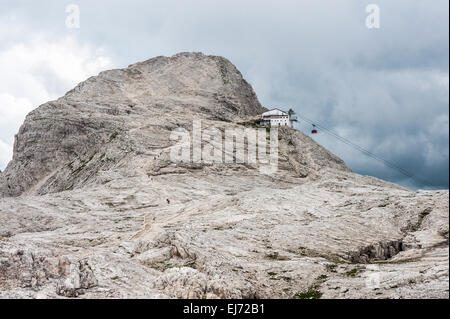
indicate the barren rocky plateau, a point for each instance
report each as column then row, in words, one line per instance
column 91, row 206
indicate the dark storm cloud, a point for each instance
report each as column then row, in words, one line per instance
column 385, row 89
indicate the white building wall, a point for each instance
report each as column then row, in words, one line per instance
column 277, row 118
column 280, row 121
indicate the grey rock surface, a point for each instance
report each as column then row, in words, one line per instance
column 92, row 207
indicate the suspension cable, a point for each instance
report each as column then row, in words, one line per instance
column 370, row 154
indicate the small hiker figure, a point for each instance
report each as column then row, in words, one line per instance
column 168, row 201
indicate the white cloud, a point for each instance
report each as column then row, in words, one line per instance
column 5, row 154
column 36, row 71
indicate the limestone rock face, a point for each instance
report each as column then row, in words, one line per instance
column 91, row 206
column 143, row 101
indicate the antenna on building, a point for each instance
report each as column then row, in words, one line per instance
column 292, row 117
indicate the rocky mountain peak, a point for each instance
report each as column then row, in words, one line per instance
column 121, row 121
column 205, row 83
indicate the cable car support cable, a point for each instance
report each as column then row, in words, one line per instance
column 368, row 153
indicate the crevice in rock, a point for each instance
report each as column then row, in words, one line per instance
column 380, row 251
column 417, row 224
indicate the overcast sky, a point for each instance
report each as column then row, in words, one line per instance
column 386, row 88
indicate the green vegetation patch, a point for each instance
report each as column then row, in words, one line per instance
column 354, row 272
column 311, row 293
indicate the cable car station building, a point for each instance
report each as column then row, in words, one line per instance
column 277, row 117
